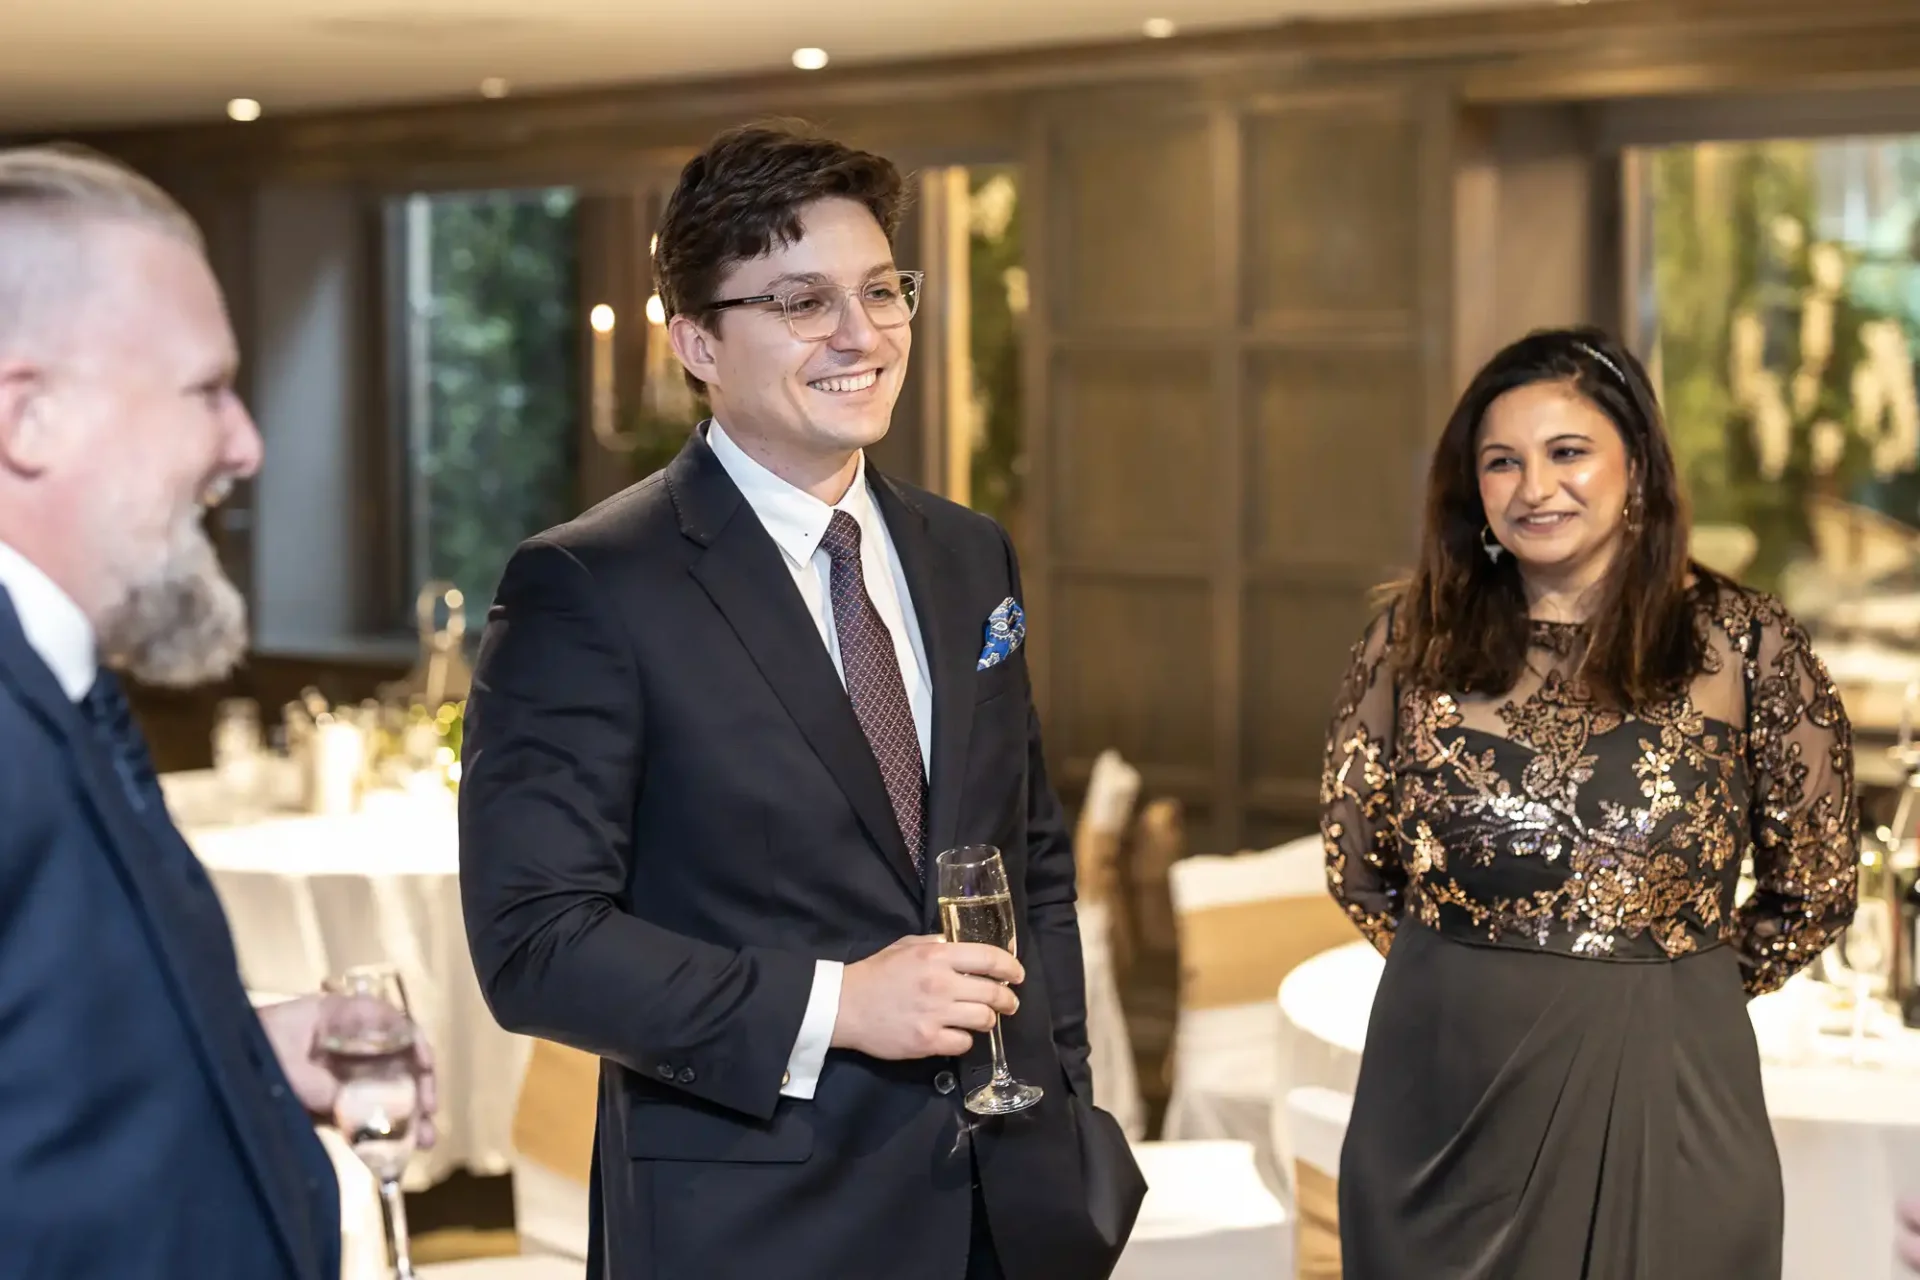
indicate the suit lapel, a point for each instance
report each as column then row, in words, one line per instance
column 745, row 576
column 140, row 865
column 938, row 584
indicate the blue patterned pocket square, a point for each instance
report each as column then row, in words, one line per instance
column 1006, row 631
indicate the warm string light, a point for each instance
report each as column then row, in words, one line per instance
column 601, row 320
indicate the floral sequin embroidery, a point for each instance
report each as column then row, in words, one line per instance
column 1548, row 820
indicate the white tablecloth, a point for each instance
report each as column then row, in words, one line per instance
column 1849, row 1136
column 310, row 896
column 1207, row 1214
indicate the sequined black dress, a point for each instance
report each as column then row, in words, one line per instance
column 1560, row 1080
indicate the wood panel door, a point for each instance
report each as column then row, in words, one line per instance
column 1238, row 356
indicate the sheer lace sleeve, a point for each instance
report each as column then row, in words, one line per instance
column 1364, row 871
column 1806, row 825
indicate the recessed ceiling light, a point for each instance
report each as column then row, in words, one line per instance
column 493, row 87
column 1158, row 28
column 243, row 110
column 809, row 59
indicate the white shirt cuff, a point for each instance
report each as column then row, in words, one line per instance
column 816, row 1032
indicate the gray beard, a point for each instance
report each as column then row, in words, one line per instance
column 184, row 623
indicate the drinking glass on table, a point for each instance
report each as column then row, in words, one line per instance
column 367, row 1038
column 977, row 906
column 238, row 754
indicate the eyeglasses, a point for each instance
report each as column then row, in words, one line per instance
column 816, row 312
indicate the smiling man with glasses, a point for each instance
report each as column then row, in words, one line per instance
column 721, row 726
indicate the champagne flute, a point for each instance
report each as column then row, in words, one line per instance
column 367, row 1039
column 976, row 906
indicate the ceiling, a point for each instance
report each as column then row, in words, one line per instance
column 67, row 63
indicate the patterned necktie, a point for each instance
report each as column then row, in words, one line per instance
column 111, row 718
column 873, row 683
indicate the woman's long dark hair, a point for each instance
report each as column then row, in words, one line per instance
column 1462, row 624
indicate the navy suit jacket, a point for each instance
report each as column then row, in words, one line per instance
column 669, row 812
column 146, row 1128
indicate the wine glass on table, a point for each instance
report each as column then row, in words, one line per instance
column 367, row 1039
column 976, row 906
column 1866, row 947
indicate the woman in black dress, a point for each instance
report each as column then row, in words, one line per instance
column 1551, row 754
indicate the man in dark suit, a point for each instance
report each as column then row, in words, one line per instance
column 721, row 726
column 151, row 1123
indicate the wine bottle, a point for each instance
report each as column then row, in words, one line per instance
column 1908, row 943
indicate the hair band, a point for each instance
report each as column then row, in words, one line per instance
column 1610, row 366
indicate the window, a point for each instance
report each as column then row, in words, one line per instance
column 485, row 381
column 1781, row 296
column 998, row 289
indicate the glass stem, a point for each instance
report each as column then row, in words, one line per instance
column 1000, row 1073
column 396, row 1204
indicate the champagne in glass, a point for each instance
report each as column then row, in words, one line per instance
column 977, row 906
column 367, row 1039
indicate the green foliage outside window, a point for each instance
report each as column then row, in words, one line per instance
column 1780, row 350
column 496, row 456
column 998, row 306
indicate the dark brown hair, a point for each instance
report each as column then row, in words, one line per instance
column 1462, row 625
column 741, row 199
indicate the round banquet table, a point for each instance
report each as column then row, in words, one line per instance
column 309, row 896
column 1849, row 1135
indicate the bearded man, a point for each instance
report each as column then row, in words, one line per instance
column 151, row 1123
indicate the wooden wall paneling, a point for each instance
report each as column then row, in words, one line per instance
column 1128, row 362
column 1345, row 359
column 1241, row 359
column 1226, row 497
column 1038, row 205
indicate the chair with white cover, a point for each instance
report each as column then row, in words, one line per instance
column 1207, row 1213
column 1112, row 789
column 1244, row 922
column 1316, row 1121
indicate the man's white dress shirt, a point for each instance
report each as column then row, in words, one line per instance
column 56, row 628
column 796, row 520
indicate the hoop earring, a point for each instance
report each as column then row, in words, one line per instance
column 1490, row 544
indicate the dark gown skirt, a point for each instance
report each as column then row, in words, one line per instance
column 1527, row 1115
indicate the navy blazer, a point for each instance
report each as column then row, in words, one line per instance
column 669, row 812
column 146, row 1128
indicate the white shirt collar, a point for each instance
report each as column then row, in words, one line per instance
column 794, row 518
column 56, row 627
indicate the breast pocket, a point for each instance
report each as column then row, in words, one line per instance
column 999, row 680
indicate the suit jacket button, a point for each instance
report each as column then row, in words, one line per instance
column 686, row 1075
column 944, row 1082
column 665, row 1070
